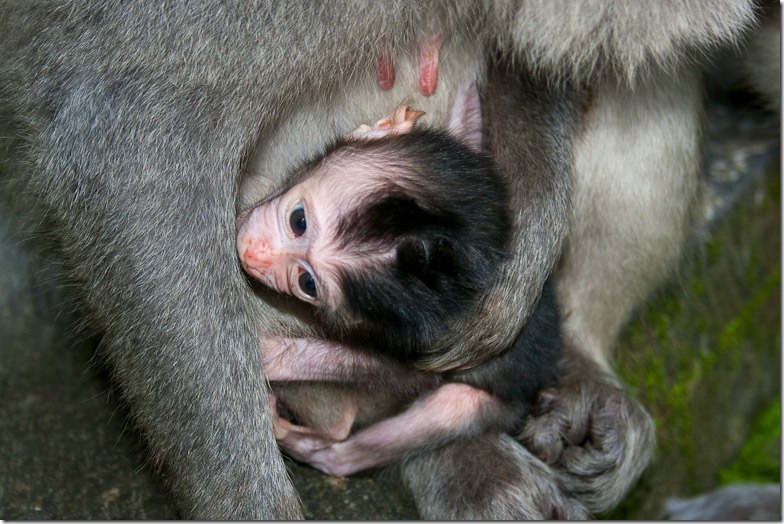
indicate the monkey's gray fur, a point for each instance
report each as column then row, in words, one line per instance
column 128, row 126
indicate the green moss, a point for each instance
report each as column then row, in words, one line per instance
column 666, row 373
column 704, row 354
column 774, row 185
column 759, row 460
column 697, row 285
column 744, row 325
column 715, row 250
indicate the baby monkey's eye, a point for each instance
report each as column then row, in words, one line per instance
column 307, row 283
column 297, row 221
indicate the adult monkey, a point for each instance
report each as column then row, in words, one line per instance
column 128, row 127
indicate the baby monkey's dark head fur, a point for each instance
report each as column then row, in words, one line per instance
column 445, row 210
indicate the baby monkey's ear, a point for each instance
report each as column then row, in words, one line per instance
column 465, row 120
column 400, row 122
column 429, row 260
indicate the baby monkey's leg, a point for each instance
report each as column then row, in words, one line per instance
column 453, row 410
column 450, row 411
column 286, row 430
column 309, row 360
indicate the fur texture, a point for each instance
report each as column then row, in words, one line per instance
column 128, row 127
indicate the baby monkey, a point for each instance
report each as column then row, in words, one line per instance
column 392, row 236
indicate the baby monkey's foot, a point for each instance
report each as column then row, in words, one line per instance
column 399, row 122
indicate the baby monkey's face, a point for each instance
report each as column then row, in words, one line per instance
column 290, row 244
column 274, row 241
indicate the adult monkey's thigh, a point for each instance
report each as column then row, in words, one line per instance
column 636, row 186
column 636, row 158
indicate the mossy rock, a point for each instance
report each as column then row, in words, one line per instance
column 704, row 357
